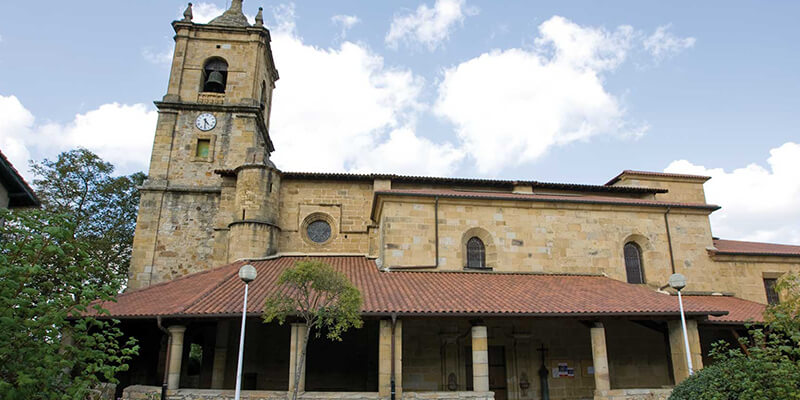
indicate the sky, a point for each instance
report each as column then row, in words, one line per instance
column 557, row 91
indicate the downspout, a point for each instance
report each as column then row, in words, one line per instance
column 166, row 363
column 669, row 240
column 394, row 323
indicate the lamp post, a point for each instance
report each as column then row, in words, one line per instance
column 678, row 282
column 247, row 273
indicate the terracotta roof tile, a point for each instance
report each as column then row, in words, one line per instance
column 219, row 292
column 467, row 181
column 739, row 310
column 755, row 248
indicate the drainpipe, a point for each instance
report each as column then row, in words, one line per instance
column 669, row 240
column 166, row 364
column 394, row 323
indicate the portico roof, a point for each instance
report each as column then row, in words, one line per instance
column 218, row 292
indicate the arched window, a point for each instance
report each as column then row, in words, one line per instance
column 633, row 263
column 215, row 75
column 476, row 253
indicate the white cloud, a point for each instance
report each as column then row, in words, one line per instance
column 429, row 26
column 202, row 13
column 346, row 22
column 759, row 204
column 341, row 109
column 160, row 58
column 662, row 43
column 511, row 106
column 406, row 152
column 119, row 133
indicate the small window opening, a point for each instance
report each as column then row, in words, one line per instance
column 215, row 76
column 203, row 148
column 476, row 253
column 263, row 95
column 633, row 263
column 772, row 294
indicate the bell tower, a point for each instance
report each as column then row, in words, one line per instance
column 210, row 196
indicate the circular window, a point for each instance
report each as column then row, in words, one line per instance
column 319, row 231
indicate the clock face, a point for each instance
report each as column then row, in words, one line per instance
column 205, row 122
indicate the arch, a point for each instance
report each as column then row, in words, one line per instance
column 475, row 236
column 215, row 75
column 633, row 262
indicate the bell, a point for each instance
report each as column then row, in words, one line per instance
column 215, row 83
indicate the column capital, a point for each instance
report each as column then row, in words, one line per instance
column 173, row 329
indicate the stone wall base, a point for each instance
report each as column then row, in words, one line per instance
column 633, row 394
column 140, row 392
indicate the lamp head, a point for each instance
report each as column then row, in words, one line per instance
column 677, row 281
column 247, row 273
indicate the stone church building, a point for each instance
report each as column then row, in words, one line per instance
column 473, row 288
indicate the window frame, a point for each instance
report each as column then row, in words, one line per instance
column 640, row 266
column 481, row 254
column 773, row 297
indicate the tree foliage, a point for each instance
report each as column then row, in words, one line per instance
column 48, row 280
column 768, row 369
column 101, row 207
column 321, row 297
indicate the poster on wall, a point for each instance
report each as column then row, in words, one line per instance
column 563, row 370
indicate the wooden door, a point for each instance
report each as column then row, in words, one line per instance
column 497, row 372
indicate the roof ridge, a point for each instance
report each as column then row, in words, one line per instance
column 180, row 278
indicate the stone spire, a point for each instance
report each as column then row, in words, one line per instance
column 232, row 16
column 260, row 17
column 187, row 15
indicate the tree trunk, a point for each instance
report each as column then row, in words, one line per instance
column 298, row 368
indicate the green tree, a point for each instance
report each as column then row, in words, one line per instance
column 48, row 348
column 767, row 364
column 102, row 207
column 320, row 296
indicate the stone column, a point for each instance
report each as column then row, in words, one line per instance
column 175, row 356
column 678, row 349
column 295, row 351
column 385, row 358
column 602, row 380
column 220, row 355
column 480, row 359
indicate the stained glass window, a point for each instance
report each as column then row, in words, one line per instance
column 319, row 231
column 476, row 253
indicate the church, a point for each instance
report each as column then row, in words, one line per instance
column 473, row 289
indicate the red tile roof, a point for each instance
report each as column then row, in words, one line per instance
column 754, row 248
column 656, row 174
column 464, row 181
column 739, row 310
column 592, row 199
column 218, row 292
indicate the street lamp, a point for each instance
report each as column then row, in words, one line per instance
column 247, row 273
column 678, row 282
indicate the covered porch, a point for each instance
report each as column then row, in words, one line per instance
column 432, row 335
column 434, row 358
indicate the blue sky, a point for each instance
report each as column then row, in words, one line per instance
column 549, row 90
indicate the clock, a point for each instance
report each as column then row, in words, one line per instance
column 205, row 122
